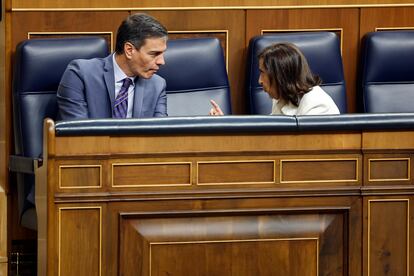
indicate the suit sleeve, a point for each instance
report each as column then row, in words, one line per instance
column 71, row 98
column 161, row 106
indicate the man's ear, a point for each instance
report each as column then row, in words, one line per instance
column 128, row 49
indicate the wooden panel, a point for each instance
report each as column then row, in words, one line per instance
column 65, row 22
column 227, row 143
column 3, row 269
column 80, row 176
column 261, row 244
column 389, row 169
column 392, row 17
column 4, row 105
column 396, row 140
column 151, row 174
column 88, row 145
column 388, row 237
column 236, row 172
column 3, row 227
column 149, row 145
column 3, row 168
column 314, row 19
column 271, row 257
column 231, row 21
column 79, row 242
column 191, row 3
column 319, row 170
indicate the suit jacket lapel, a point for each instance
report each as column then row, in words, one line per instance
column 109, row 78
column 138, row 97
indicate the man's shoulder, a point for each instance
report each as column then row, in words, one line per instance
column 155, row 79
column 88, row 64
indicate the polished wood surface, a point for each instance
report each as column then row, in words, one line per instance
column 389, row 18
column 79, row 240
column 4, row 149
column 235, row 248
column 3, row 269
column 194, row 3
column 387, row 235
column 3, row 229
column 242, row 143
column 65, row 24
column 267, row 203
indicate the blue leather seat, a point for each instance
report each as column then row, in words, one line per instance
column 387, row 68
column 195, row 72
column 38, row 67
column 322, row 50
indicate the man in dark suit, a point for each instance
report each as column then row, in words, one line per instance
column 122, row 85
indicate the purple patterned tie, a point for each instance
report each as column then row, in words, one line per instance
column 121, row 102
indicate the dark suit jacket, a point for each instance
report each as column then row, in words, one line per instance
column 87, row 90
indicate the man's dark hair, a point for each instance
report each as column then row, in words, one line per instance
column 136, row 28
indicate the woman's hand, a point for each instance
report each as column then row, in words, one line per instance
column 215, row 110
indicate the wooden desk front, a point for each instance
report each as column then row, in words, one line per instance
column 328, row 203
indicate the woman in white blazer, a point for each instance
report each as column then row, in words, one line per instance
column 285, row 75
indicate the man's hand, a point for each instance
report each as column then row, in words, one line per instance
column 215, row 110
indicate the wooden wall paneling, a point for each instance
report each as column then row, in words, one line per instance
column 232, row 21
column 192, row 3
column 390, row 17
column 3, row 269
column 386, row 169
column 79, row 247
column 388, row 230
column 4, row 133
column 3, row 231
column 314, row 19
column 178, row 230
column 3, row 93
column 65, row 23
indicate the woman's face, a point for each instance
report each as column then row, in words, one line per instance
column 264, row 80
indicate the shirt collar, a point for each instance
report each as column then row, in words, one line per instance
column 118, row 73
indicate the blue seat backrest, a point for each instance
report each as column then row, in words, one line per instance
column 38, row 67
column 323, row 52
column 195, row 72
column 387, row 68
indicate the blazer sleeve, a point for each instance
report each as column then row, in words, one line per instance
column 71, row 98
column 161, row 106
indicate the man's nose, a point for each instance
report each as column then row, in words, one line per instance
column 160, row 60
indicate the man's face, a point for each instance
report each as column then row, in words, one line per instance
column 146, row 61
column 268, row 87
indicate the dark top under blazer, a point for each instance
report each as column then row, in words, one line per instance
column 87, row 90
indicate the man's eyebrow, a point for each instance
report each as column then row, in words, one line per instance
column 156, row 52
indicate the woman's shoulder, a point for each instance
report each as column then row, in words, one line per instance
column 317, row 101
column 316, row 90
